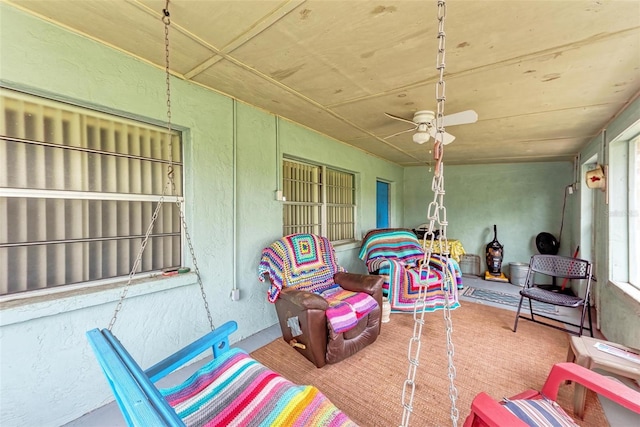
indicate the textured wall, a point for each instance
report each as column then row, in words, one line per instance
column 49, row 374
column 618, row 302
column 521, row 199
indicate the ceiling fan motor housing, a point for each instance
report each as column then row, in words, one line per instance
column 423, row 116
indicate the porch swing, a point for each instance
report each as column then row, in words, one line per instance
column 232, row 389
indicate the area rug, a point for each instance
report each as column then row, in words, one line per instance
column 507, row 299
column 488, row 356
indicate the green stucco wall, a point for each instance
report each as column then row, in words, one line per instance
column 521, row 199
column 231, row 212
column 618, row 302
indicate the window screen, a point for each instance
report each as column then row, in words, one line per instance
column 78, row 191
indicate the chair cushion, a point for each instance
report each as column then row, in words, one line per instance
column 539, row 412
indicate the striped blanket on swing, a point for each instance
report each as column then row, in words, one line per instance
column 236, row 390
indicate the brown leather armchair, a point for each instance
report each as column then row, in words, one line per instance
column 301, row 291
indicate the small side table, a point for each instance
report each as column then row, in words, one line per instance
column 583, row 353
column 455, row 248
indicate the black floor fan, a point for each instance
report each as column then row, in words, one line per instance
column 547, row 244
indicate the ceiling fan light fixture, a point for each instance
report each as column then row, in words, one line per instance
column 420, row 137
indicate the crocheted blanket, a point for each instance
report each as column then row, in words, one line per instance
column 398, row 244
column 346, row 308
column 236, row 390
column 307, row 262
column 303, row 261
column 402, row 287
column 396, row 254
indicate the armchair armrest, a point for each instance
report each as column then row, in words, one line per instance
column 304, row 299
column 370, row 284
column 603, row 385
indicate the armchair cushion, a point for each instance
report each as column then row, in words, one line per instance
column 359, row 283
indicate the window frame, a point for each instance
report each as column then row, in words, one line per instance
column 633, row 212
column 622, row 187
column 323, row 205
column 180, row 133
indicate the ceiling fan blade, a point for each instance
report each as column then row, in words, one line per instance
column 402, row 119
column 461, row 118
column 401, row 132
column 447, row 137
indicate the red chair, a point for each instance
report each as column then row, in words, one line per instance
column 487, row 412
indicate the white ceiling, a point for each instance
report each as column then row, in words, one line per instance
column 545, row 77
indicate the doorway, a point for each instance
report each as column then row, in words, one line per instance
column 382, row 204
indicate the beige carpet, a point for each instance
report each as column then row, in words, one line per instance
column 488, row 357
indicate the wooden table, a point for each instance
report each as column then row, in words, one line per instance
column 583, row 352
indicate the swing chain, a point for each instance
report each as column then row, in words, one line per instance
column 166, row 19
column 136, row 263
column 436, row 213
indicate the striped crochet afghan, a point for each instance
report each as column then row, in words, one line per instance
column 346, row 308
column 236, row 390
column 396, row 254
column 307, row 262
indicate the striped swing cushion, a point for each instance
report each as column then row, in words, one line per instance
column 236, row 390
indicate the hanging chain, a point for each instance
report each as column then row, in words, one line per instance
column 436, row 213
column 166, row 20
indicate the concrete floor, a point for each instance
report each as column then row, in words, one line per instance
column 109, row 415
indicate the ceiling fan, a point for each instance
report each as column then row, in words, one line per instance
column 424, row 124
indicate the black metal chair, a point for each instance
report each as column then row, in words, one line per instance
column 561, row 267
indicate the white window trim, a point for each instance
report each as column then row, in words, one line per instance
column 633, row 212
column 622, row 265
column 86, row 195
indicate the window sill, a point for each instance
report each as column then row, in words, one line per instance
column 347, row 246
column 628, row 291
column 21, row 309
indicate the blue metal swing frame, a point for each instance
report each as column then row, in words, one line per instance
column 138, row 398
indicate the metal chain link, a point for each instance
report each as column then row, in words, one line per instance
column 166, row 19
column 436, row 213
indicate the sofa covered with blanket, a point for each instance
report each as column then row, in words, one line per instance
column 325, row 313
column 397, row 254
